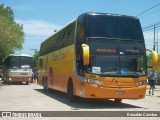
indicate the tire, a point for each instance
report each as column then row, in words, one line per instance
column 45, row 86
column 27, row 83
column 4, row 81
column 118, row 101
column 70, row 89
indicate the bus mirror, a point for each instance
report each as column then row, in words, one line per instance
column 86, row 54
column 154, row 58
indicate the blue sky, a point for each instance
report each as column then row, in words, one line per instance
column 41, row 17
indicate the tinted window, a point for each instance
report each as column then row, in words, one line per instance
column 18, row 62
column 103, row 46
column 61, row 39
column 132, row 47
column 113, row 27
column 116, row 57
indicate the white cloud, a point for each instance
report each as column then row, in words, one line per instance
column 36, row 31
column 38, row 27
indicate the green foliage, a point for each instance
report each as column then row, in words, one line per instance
column 149, row 63
column 11, row 33
column 149, row 60
column 7, row 12
column 35, row 61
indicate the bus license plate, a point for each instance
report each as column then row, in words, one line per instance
column 119, row 92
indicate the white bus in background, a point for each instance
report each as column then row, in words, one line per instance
column 17, row 68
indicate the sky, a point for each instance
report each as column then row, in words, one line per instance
column 41, row 17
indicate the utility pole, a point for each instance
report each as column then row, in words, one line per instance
column 157, row 41
column 154, row 42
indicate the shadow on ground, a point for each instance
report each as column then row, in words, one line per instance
column 86, row 103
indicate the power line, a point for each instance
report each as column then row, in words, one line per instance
column 101, row 5
column 148, row 26
column 152, row 24
column 105, row 3
column 151, row 28
column 113, row 4
column 148, row 9
column 150, row 13
column 148, row 34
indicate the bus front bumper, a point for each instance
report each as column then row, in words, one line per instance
column 19, row 79
column 96, row 91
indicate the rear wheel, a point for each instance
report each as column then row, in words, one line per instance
column 4, row 81
column 70, row 94
column 45, row 86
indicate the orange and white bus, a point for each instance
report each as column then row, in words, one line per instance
column 17, row 68
column 97, row 55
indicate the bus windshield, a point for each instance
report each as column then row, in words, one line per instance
column 111, row 26
column 17, row 62
column 116, row 57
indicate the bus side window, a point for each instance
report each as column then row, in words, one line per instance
column 80, row 39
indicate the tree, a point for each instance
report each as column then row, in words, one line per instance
column 35, row 61
column 149, row 63
column 11, row 33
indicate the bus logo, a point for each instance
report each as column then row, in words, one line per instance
column 6, row 114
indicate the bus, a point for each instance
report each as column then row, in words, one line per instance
column 97, row 55
column 17, row 68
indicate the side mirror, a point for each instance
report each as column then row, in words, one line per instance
column 86, row 54
column 154, row 58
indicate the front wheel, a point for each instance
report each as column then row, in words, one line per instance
column 118, row 101
column 70, row 94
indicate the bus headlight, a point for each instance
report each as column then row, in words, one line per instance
column 10, row 79
column 144, row 82
column 94, row 81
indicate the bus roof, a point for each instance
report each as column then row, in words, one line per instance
column 89, row 13
column 25, row 55
column 111, row 14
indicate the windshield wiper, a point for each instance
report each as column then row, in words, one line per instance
column 130, row 73
column 135, row 73
column 109, row 73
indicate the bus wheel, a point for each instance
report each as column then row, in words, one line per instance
column 118, row 101
column 4, row 81
column 27, row 83
column 70, row 94
column 45, row 86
